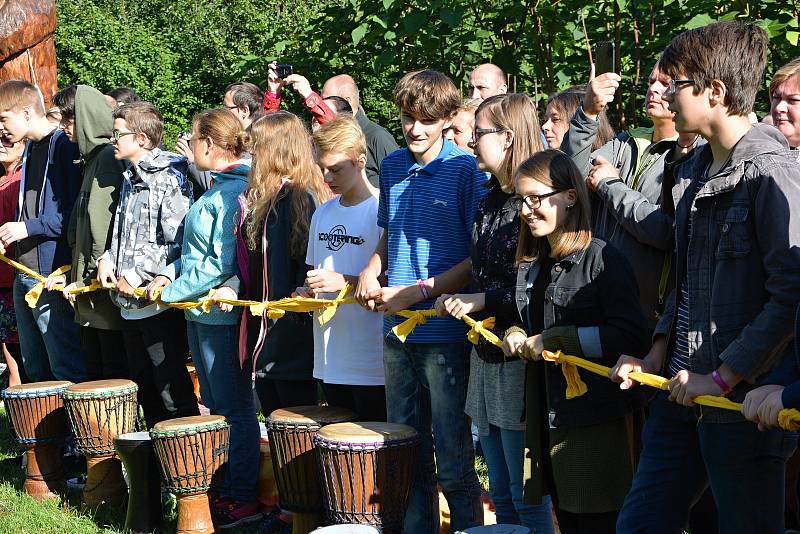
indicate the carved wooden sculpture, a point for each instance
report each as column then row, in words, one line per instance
column 27, row 50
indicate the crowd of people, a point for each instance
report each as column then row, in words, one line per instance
column 675, row 254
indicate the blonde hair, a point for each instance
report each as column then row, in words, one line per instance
column 784, row 73
column 342, row 135
column 517, row 113
column 221, row 126
column 282, row 149
column 555, row 169
column 16, row 94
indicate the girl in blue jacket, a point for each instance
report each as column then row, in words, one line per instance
column 208, row 259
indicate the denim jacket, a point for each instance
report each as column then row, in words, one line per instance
column 742, row 264
column 595, row 290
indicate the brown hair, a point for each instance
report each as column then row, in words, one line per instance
column 223, row 128
column 16, row 94
column 566, row 102
column 517, row 113
column 342, row 135
column 143, row 117
column 282, row 149
column 733, row 52
column 784, row 73
column 427, row 95
column 555, row 169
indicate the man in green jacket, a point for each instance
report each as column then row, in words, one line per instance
column 87, row 120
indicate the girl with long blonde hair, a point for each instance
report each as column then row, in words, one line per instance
column 285, row 188
column 506, row 134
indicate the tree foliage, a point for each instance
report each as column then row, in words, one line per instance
column 181, row 53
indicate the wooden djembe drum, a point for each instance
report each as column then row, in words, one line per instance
column 99, row 411
column 37, row 413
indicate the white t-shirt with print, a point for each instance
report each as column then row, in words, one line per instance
column 349, row 348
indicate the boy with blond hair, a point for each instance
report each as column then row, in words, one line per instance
column 49, row 187
column 429, row 192
column 348, row 350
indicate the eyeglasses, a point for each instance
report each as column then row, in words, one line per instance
column 532, row 201
column 674, row 85
column 477, row 133
column 117, row 134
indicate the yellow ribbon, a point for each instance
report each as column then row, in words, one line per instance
column 32, row 296
column 575, row 385
column 328, row 313
column 481, row 328
column 413, row 318
column 788, row 419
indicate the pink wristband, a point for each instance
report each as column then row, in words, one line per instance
column 726, row 389
column 424, row 289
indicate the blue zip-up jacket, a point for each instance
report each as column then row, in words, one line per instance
column 208, row 254
column 56, row 200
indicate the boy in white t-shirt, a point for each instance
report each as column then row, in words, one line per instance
column 348, row 350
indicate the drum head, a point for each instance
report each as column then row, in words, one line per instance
column 37, row 387
column 320, row 415
column 102, row 386
column 498, row 529
column 346, row 529
column 188, row 423
column 366, row 432
column 133, row 437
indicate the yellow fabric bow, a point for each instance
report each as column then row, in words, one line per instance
column 330, row 310
column 413, row 318
column 481, row 328
column 789, row 419
column 32, row 296
column 575, row 385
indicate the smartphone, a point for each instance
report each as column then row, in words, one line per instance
column 284, row 70
column 604, row 57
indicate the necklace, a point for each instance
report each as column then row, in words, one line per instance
column 690, row 145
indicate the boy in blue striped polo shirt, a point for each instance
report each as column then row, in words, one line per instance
column 428, row 195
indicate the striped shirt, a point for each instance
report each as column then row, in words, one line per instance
column 428, row 214
column 681, row 357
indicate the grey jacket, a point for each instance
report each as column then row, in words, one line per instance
column 628, row 214
column 742, row 264
column 148, row 225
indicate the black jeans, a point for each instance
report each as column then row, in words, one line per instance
column 368, row 402
column 105, row 353
column 157, row 351
column 274, row 394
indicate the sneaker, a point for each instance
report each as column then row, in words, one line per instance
column 230, row 513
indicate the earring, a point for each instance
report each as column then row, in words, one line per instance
column 570, row 207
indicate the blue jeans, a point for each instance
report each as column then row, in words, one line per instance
column 681, row 456
column 426, row 388
column 49, row 337
column 227, row 390
column 504, row 451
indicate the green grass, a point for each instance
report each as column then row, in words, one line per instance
column 21, row 514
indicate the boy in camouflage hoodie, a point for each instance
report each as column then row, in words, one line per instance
column 146, row 236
